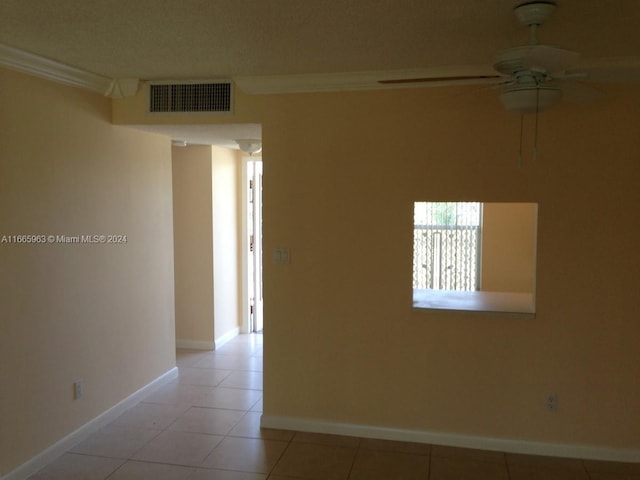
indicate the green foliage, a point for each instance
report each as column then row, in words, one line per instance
column 443, row 213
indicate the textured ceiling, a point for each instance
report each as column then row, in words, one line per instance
column 156, row 39
column 173, row 39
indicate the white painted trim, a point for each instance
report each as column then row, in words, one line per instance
column 454, row 440
column 195, row 345
column 52, row 70
column 66, row 443
column 244, row 243
column 231, row 334
column 48, row 69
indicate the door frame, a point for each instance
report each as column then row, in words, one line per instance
column 247, row 258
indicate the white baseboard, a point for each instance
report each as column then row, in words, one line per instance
column 64, row 444
column 453, row 440
column 221, row 340
column 195, row 345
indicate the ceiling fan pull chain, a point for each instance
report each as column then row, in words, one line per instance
column 520, row 146
column 535, row 130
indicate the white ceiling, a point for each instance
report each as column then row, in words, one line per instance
column 176, row 39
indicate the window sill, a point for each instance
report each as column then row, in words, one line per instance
column 497, row 302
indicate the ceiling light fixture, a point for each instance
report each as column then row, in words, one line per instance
column 250, row 145
column 530, row 99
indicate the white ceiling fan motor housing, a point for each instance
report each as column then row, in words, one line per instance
column 526, row 99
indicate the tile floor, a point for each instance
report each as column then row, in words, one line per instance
column 205, row 425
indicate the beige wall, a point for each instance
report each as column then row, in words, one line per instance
column 193, row 243
column 226, row 241
column 508, row 247
column 342, row 343
column 206, row 233
column 102, row 312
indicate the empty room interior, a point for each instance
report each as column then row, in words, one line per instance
column 129, row 136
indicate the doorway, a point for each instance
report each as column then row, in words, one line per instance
column 253, row 189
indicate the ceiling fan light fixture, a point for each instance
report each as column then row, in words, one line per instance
column 250, row 145
column 530, row 99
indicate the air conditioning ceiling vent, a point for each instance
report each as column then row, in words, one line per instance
column 208, row 97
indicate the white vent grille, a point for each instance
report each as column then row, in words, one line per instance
column 190, row 97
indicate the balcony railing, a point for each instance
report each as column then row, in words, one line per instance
column 446, row 257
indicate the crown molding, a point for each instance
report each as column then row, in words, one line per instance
column 46, row 68
column 370, row 80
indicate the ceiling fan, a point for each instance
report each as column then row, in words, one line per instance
column 532, row 76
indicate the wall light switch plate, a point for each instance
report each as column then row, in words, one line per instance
column 282, row 256
column 78, row 389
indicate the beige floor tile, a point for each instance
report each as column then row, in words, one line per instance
column 133, row 470
column 252, row 339
column 243, row 379
column 614, row 476
column 71, row 466
column 255, row 363
column 231, row 362
column 240, row 348
column 210, row 474
column 116, row 441
column 231, row 398
column 214, row 421
column 208, row 377
column 326, row 439
column 188, row 358
column 546, row 473
column 467, row 453
column 249, row 427
column 536, row 461
column 179, row 448
column 449, row 468
column 246, row 455
column 179, row 394
column 533, row 467
column 316, row 462
column 395, row 446
column 625, row 468
column 383, row 465
column 150, row 415
column 257, row 407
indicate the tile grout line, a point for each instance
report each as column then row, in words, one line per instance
column 167, row 428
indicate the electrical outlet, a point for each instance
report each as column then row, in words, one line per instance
column 78, row 389
column 551, row 402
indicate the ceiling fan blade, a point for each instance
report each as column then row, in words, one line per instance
column 610, row 74
column 549, row 59
column 580, row 93
column 463, row 79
